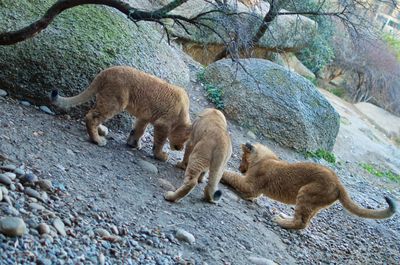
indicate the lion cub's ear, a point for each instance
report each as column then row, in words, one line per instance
column 248, row 147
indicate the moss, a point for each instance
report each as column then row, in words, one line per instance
column 388, row 174
column 320, row 153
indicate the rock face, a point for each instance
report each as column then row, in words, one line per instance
column 275, row 102
column 76, row 46
column 286, row 33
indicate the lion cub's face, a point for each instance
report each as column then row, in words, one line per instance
column 244, row 163
column 178, row 137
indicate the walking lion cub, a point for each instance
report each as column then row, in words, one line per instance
column 311, row 187
column 209, row 148
column 148, row 98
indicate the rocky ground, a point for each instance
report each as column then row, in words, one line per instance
column 77, row 203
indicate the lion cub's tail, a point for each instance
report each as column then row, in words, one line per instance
column 349, row 204
column 84, row 96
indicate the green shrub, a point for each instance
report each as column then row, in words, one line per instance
column 321, row 153
column 381, row 174
column 393, row 42
column 214, row 94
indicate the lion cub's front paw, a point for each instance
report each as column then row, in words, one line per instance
column 161, row 156
column 101, row 141
column 170, row 196
column 181, row 165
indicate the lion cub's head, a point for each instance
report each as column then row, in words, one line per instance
column 178, row 137
column 254, row 153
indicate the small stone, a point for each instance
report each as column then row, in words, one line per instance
column 19, row 171
column 29, row 179
column 12, row 187
column 147, row 166
column 59, row 226
column 7, row 199
column 20, row 187
column 102, row 259
column 5, row 180
column 3, row 93
column 251, row 135
column 165, row 184
column 1, row 195
column 43, row 261
column 9, row 167
column 261, row 261
column 112, row 238
column 43, row 228
column 44, row 196
column 184, row 236
column 33, row 193
column 36, row 206
column 101, row 232
column 12, row 226
column 25, row 103
column 45, row 109
column 114, row 229
column 45, row 184
column 10, row 175
column 4, row 190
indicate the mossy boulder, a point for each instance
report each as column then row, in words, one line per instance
column 77, row 45
column 275, row 102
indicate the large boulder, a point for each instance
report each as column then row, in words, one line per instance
column 285, row 33
column 77, row 45
column 275, row 102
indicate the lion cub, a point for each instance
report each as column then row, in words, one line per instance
column 209, row 148
column 148, row 98
column 311, row 187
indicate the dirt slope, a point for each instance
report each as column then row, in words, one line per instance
column 112, row 182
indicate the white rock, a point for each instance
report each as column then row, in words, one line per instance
column 12, row 226
column 1, row 195
column 59, row 226
column 184, row 236
column 101, row 232
column 36, row 206
column 10, row 175
column 5, row 180
column 147, row 166
column 3, row 93
column 261, row 261
column 251, row 135
column 102, row 259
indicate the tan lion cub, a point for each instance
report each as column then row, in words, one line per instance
column 148, row 98
column 209, row 148
column 311, row 187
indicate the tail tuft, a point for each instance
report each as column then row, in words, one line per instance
column 54, row 95
column 392, row 204
column 217, row 195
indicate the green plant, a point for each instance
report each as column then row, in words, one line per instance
column 338, row 91
column 214, row 94
column 381, row 174
column 393, row 42
column 321, row 153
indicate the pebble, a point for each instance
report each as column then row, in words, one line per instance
column 5, row 180
column 261, row 261
column 29, row 178
column 101, row 232
column 102, row 259
column 9, row 167
column 59, row 226
column 114, row 229
column 251, row 135
column 43, row 228
column 45, row 184
column 25, row 103
column 166, row 185
column 184, row 236
column 36, row 206
column 20, row 187
column 12, row 226
column 33, row 193
column 3, row 93
column 19, row 171
column 1, row 195
column 45, row 109
column 4, row 190
column 12, row 187
column 43, row 261
column 147, row 166
column 10, row 175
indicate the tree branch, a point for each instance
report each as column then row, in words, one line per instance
column 12, row 37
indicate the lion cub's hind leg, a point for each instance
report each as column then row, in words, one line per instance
column 192, row 174
column 99, row 114
column 310, row 200
column 211, row 192
column 137, row 133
